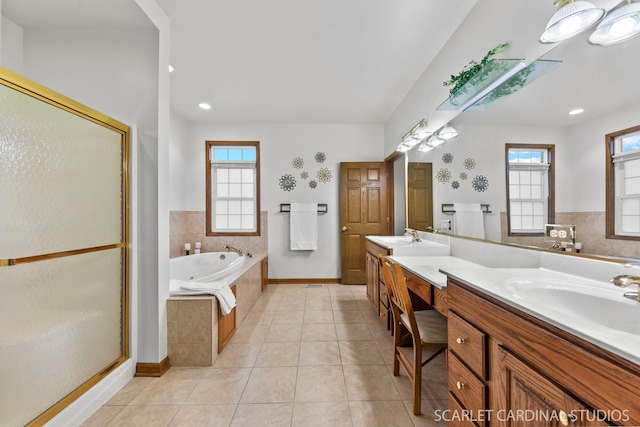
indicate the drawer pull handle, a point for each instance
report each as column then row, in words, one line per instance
column 566, row 419
column 459, row 385
column 461, row 340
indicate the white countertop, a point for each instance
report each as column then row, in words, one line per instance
column 428, row 267
column 598, row 313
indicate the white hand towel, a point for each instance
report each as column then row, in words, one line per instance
column 303, row 232
column 222, row 291
column 468, row 220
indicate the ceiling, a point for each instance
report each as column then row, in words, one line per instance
column 336, row 61
column 278, row 61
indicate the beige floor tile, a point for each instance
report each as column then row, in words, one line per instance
column 348, row 317
column 238, row 355
column 148, row 416
column 353, row 331
column 291, row 302
column 369, row 382
column 318, row 305
column 319, row 332
column 318, row 316
column 288, row 317
column 250, row 333
column 172, row 388
column 360, row 353
column 284, row 332
column 203, row 416
column 270, row 385
column 433, row 413
column 379, row 414
column 321, row 414
column 386, row 350
column 129, row 391
column 320, row 384
column 220, row 386
column 263, row 415
column 102, row 416
column 258, row 318
column 319, row 353
column 279, row 354
column 345, row 305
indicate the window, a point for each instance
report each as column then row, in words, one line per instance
column 623, row 184
column 233, row 188
column 530, row 196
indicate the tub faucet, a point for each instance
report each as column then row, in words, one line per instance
column 625, row 280
column 230, row 248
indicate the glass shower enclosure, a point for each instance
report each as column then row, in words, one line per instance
column 63, row 249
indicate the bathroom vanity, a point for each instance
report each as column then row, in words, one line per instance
column 535, row 337
column 507, row 367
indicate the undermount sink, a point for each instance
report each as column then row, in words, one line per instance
column 404, row 245
column 593, row 304
column 397, row 239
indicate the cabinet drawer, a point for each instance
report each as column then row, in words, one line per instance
column 468, row 343
column 458, row 416
column 419, row 286
column 466, row 387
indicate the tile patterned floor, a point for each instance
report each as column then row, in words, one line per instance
column 302, row 357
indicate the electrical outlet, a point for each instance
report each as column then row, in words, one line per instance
column 445, row 224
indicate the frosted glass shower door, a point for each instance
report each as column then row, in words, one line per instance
column 63, row 249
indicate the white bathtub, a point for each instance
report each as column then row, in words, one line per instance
column 202, row 268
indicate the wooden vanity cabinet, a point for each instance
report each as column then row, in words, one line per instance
column 376, row 289
column 514, row 369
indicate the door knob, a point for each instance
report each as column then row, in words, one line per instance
column 344, row 228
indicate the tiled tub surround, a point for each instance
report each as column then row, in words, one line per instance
column 590, row 231
column 192, row 321
column 189, row 227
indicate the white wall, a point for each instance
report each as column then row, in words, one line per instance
column 585, row 187
column 11, row 46
column 279, row 144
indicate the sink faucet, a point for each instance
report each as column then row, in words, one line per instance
column 413, row 233
column 230, row 248
column 625, row 280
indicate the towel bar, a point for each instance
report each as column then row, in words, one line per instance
column 322, row 208
column 448, row 208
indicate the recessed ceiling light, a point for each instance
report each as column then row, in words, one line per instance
column 171, row 68
column 204, row 106
column 576, row 111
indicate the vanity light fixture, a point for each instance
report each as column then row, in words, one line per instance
column 435, row 140
column 204, row 106
column 425, row 147
column 420, row 131
column 448, row 132
column 576, row 111
column 621, row 23
column 572, row 18
column 416, row 135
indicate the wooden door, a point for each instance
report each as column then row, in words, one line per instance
column 419, row 196
column 364, row 210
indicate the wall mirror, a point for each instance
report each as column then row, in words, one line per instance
column 602, row 81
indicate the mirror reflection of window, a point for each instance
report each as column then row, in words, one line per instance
column 530, row 202
column 233, row 188
column 623, row 189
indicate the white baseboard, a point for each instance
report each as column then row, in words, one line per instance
column 83, row 407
